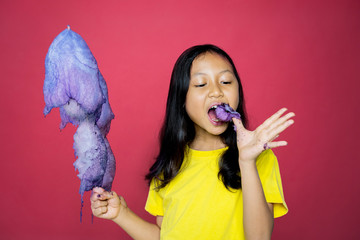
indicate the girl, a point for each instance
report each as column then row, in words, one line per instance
column 208, row 181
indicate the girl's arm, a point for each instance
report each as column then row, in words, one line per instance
column 136, row 227
column 258, row 214
column 109, row 205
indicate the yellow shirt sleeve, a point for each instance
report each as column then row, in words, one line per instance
column 269, row 173
column 154, row 203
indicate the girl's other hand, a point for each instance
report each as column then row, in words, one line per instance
column 251, row 143
column 107, row 205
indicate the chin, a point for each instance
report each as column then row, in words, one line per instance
column 218, row 130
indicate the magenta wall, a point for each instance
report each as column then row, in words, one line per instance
column 303, row 55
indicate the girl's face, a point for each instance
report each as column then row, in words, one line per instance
column 212, row 82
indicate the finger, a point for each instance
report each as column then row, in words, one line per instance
column 274, row 138
column 271, row 119
column 99, row 194
column 98, row 204
column 98, row 190
column 114, row 194
column 107, row 195
column 238, row 124
column 281, row 120
column 281, row 128
column 277, row 144
column 95, row 196
column 99, row 211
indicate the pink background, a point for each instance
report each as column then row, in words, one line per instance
column 303, row 55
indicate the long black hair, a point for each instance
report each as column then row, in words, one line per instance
column 178, row 130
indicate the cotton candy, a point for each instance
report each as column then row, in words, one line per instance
column 225, row 113
column 74, row 84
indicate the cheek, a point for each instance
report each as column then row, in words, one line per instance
column 236, row 101
column 192, row 104
column 190, row 108
column 233, row 98
column 236, row 94
column 188, row 104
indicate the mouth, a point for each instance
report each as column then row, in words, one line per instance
column 212, row 115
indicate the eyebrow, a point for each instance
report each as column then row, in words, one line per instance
column 222, row 72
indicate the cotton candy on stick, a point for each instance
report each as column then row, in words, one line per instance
column 225, row 113
column 74, row 84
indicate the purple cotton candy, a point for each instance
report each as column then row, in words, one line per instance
column 71, row 72
column 225, row 113
column 106, row 115
column 74, row 84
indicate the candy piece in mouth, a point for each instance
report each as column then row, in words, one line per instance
column 212, row 115
column 225, row 113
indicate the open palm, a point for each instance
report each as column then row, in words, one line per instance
column 251, row 143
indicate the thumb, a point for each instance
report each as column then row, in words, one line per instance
column 122, row 201
column 115, row 199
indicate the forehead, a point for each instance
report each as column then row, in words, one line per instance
column 210, row 62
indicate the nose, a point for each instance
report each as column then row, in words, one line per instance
column 215, row 91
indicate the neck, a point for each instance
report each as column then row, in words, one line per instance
column 208, row 143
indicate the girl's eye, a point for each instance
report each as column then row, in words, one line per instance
column 226, row 82
column 200, row 85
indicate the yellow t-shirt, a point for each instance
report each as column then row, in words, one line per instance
column 196, row 204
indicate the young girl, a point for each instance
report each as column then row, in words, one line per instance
column 208, row 181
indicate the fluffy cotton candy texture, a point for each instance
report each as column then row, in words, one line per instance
column 71, row 72
column 110, row 168
column 95, row 162
column 74, row 84
column 106, row 115
column 225, row 113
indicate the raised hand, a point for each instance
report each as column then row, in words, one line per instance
column 105, row 204
column 252, row 143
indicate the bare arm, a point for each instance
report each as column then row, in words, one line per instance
column 258, row 214
column 109, row 205
column 136, row 227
